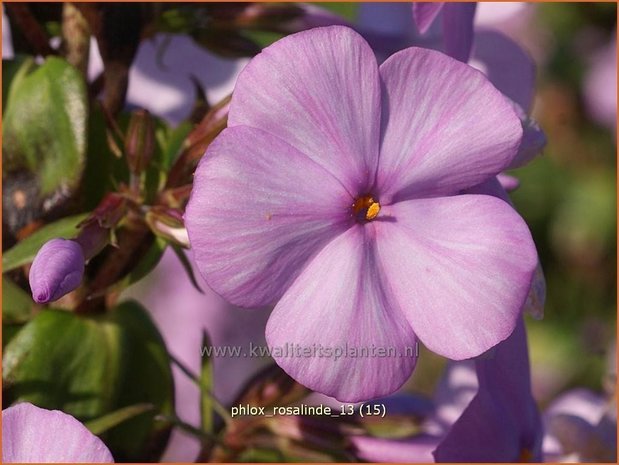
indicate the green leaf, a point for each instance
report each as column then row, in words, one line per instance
column 44, row 127
column 104, row 423
column 17, row 305
column 24, row 252
column 146, row 378
column 62, row 361
column 104, row 171
column 207, row 422
column 92, row 366
column 171, row 142
column 148, row 261
column 9, row 331
column 13, row 71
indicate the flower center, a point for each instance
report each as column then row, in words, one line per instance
column 365, row 208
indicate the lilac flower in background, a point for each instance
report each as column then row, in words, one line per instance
column 388, row 28
column 600, row 86
column 512, row 71
column 503, row 14
column 502, row 423
column 292, row 203
column 581, row 427
column 7, row 38
column 507, row 65
column 503, row 61
column 417, row 449
column 405, row 450
column 32, row 434
column 57, row 269
column 457, row 24
column 484, row 412
column 507, row 182
column 165, row 66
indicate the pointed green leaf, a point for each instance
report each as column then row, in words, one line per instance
column 44, row 127
column 13, row 71
column 93, row 365
column 206, row 389
column 17, row 305
column 104, row 423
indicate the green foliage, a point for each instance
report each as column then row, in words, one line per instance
column 148, row 262
column 207, row 420
column 171, row 141
column 106, row 422
column 63, row 361
column 91, row 366
column 146, row 377
column 13, row 71
column 44, row 127
column 17, row 305
column 346, row 10
column 104, row 170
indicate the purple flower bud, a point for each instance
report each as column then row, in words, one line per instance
column 56, row 270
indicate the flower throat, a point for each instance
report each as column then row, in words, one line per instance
column 365, row 208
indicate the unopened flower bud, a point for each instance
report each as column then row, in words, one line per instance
column 57, row 269
column 140, row 141
column 168, row 223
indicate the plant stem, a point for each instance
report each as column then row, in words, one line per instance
column 76, row 36
column 219, row 408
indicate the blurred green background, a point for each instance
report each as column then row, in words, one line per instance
column 568, row 197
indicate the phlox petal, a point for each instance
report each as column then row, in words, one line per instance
column 319, row 91
column 459, row 267
column 258, row 212
column 340, row 301
column 444, row 127
column 32, row 434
